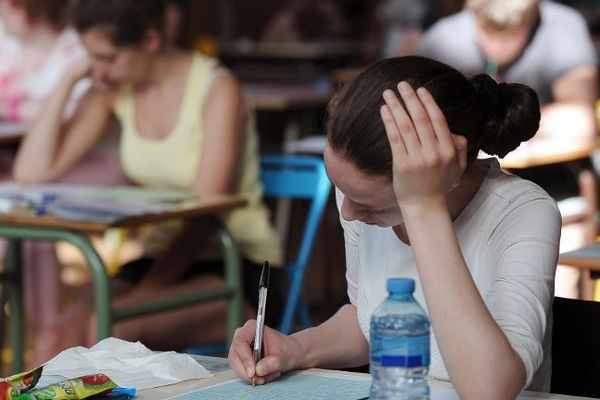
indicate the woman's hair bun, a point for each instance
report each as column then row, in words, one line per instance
column 511, row 114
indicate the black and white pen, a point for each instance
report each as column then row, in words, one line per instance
column 263, row 287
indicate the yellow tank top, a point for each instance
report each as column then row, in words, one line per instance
column 171, row 162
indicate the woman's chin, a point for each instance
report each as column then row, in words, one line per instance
column 379, row 224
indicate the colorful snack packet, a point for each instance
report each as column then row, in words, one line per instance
column 73, row 389
column 14, row 385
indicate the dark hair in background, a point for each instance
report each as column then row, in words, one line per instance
column 124, row 21
column 52, row 11
column 493, row 117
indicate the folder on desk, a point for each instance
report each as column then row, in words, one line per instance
column 110, row 204
column 92, row 203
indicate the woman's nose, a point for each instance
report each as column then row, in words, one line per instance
column 349, row 212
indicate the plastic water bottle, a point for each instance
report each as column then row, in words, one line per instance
column 399, row 345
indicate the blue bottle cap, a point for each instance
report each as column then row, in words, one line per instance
column 400, row 285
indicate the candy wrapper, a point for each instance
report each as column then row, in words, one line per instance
column 73, row 389
column 13, row 386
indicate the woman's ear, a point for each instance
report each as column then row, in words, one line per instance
column 152, row 41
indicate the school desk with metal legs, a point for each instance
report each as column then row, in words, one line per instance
column 18, row 227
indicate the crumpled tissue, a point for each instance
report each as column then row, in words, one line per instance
column 127, row 364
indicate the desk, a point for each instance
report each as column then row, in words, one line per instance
column 298, row 100
column 586, row 258
column 540, row 152
column 184, row 387
column 19, row 227
column 294, row 51
column 287, row 96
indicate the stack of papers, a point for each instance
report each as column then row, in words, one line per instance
column 89, row 203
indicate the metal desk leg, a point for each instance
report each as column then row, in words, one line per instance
column 232, row 280
column 102, row 288
column 15, row 302
column 79, row 240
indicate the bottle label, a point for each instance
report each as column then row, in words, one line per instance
column 400, row 351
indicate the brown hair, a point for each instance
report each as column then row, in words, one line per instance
column 124, row 21
column 493, row 117
column 53, row 12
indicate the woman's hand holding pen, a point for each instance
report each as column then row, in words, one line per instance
column 281, row 353
column 427, row 158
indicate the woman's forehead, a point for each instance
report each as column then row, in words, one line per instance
column 358, row 186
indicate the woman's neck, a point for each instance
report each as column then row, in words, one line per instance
column 162, row 67
column 470, row 182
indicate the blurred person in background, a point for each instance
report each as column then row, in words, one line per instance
column 184, row 126
column 37, row 46
column 548, row 47
column 540, row 43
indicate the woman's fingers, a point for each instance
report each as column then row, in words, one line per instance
column 271, row 366
column 419, row 116
column 240, row 354
column 265, row 379
column 436, row 117
column 268, row 365
column 404, row 124
column 396, row 143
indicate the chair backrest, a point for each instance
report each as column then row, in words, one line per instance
column 297, row 177
column 576, row 347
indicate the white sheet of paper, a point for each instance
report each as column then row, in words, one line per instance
column 127, row 364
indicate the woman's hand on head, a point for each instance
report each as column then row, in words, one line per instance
column 281, row 353
column 427, row 158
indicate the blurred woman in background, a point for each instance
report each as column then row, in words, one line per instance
column 184, row 126
column 36, row 48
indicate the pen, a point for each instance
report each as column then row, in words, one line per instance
column 263, row 287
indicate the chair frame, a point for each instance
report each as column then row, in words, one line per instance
column 297, row 177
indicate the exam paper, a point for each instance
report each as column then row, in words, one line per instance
column 127, row 364
column 295, row 386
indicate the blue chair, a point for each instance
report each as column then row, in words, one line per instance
column 297, row 177
column 292, row 177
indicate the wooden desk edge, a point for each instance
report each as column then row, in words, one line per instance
column 536, row 160
column 587, row 264
column 209, row 207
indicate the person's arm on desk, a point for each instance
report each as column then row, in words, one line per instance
column 54, row 145
column 571, row 115
column 338, row 342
